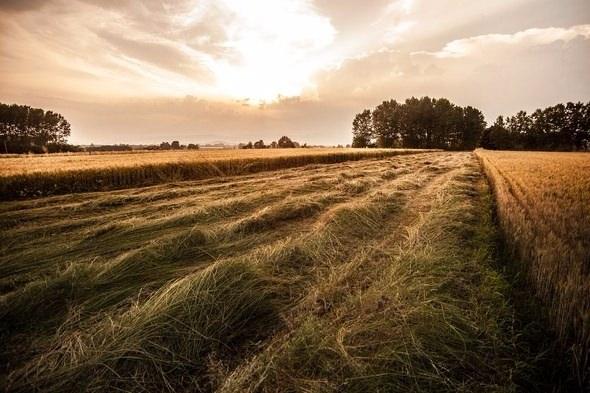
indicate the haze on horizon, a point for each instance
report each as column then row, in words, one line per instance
column 232, row 70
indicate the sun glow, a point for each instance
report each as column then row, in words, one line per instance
column 276, row 46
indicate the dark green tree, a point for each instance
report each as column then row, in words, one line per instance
column 362, row 129
column 285, row 142
column 24, row 129
column 473, row 127
column 387, row 122
column 259, row 144
column 497, row 136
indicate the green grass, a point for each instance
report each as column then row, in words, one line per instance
column 373, row 275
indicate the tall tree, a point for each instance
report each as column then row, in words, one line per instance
column 497, row 136
column 387, row 120
column 473, row 127
column 25, row 129
column 362, row 129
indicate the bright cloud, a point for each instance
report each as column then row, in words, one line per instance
column 278, row 45
column 537, row 36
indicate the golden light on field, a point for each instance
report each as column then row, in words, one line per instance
column 543, row 204
column 27, row 175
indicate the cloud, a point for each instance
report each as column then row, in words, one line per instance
column 499, row 73
column 164, row 54
column 530, row 37
column 146, row 71
column 21, row 5
column 227, row 48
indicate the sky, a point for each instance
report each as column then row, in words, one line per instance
column 125, row 71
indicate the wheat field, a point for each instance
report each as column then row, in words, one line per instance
column 54, row 174
column 369, row 275
column 543, row 205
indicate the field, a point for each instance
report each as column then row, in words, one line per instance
column 42, row 175
column 375, row 274
column 370, row 275
column 543, row 203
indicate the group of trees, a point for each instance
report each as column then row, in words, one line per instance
column 284, row 142
column 24, row 129
column 437, row 123
column 560, row 127
column 419, row 123
column 175, row 145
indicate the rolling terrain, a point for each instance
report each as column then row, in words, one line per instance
column 371, row 275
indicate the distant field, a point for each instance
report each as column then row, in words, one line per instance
column 361, row 276
column 543, row 202
column 37, row 175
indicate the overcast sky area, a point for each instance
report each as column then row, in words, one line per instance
column 125, row 71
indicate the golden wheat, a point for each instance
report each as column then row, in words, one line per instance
column 37, row 175
column 543, row 205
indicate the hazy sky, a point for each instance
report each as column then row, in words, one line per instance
column 126, row 71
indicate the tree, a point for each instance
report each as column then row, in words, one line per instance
column 582, row 126
column 419, row 123
column 175, row 145
column 558, row 127
column 25, row 129
column 193, row 146
column 387, row 121
column 285, row 142
column 497, row 136
column 259, row 144
column 474, row 125
column 165, row 146
column 362, row 129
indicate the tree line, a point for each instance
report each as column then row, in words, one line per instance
column 437, row 123
column 284, row 142
column 563, row 127
column 24, row 129
column 420, row 123
column 174, row 145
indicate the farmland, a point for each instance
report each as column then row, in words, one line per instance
column 366, row 275
column 39, row 175
column 543, row 205
column 373, row 274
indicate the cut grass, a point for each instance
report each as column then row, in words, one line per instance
column 162, row 343
column 434, row 319
column 372, row 275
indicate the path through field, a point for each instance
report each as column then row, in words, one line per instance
column 372, row 275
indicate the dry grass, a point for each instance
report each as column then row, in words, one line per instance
column 543, row 203
column 372, row 275
column 37, row 175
